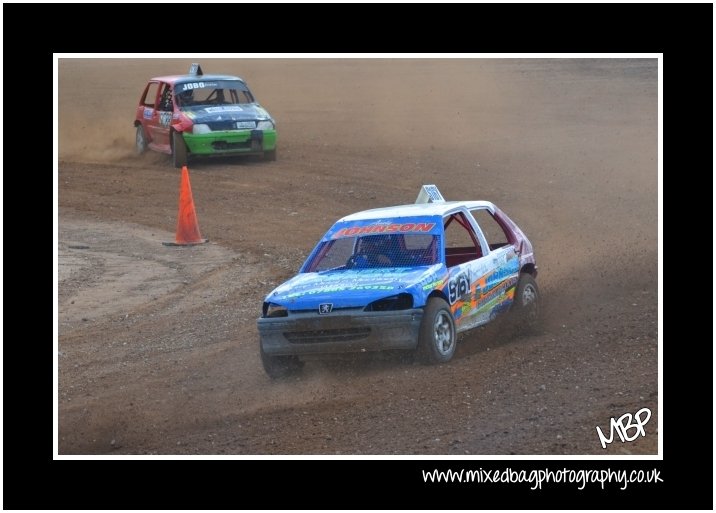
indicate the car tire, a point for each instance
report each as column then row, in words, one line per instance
column 270, row 155
column 280, row 366
column 526, row 305
column 141, row 140
column 179, row 154
column 438, row 337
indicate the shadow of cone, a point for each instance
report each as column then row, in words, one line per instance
column 187, row 225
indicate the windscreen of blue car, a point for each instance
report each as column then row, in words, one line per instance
column 376, row 251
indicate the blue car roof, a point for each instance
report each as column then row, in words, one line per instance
column 418, row 209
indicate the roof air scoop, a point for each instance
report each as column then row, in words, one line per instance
column 430, row 194
column 195, row 69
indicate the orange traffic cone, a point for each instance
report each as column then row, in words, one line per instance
column 187, row 225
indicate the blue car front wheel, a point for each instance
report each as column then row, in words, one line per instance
column 438, row 338
column 280, row 366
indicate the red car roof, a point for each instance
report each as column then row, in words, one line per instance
column 173, row 79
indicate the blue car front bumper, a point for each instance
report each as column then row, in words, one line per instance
column 348, row 331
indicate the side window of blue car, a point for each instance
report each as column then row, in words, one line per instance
column 495, row 235
column 461, row 242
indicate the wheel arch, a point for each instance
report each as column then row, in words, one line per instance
column 530, row 269
column 172, row 131
column 436, row 293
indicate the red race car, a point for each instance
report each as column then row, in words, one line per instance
column 197, row 114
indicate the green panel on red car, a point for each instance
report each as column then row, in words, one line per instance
column 229, row 142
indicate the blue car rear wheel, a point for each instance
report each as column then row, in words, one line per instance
column 526, row 305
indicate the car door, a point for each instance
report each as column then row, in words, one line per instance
column 147, row 109
column 162, row 116
column 468, row 269
column 481, row 278
column 497, row 285
column 155, row 113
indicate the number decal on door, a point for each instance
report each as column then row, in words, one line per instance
column 458, row 286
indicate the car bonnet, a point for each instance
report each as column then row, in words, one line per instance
column 236, row 112
column 354, row 288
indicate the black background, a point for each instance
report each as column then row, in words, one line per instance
column 683, row 33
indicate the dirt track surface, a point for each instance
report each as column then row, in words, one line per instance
column 158, row 348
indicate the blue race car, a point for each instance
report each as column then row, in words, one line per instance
column 408, row 277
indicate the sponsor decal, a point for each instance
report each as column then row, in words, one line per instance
column 246, row 124
column 433, row 285
column 501, row 293
column 192, row 85
column 385, row 228
column 147, row 114
column 165, row 118
column 504, row 272
column 228, row 108
column 336, row 288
